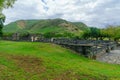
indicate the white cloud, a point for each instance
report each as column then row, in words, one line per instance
column 92, row 12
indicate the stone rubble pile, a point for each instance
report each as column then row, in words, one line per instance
column 112, row 57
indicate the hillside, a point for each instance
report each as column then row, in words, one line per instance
column 45, row 26
column 45, row 61
column 80, row 25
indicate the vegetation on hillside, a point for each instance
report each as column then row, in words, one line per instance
column 56, row 27
column 81, row 25
column 61, row 28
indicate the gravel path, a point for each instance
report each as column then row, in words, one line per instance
column 112, row 57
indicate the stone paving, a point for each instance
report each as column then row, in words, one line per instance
column 112, row 57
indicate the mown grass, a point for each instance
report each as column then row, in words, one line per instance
column 45, row 61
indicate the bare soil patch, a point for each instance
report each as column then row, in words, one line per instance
column 29, row 64
column 21, row 24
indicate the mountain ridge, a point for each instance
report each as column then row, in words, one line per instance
column 45, row 26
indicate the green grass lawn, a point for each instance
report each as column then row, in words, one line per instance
column 45, row 61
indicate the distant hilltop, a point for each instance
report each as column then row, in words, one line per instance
column 45, row 26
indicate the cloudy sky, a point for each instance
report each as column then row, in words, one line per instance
column 97, row 13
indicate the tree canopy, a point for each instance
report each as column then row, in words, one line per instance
column 4, row 4
column 93, row 32
column 109, row 33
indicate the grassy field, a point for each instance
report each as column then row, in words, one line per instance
column 45, row 61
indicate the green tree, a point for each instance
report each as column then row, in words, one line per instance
column 104, row 34
column 95, row 32
column 4, row 4
column 111, row 32
column 116, row 33
column 91, row 33
column 2, row 19
column 86, row 34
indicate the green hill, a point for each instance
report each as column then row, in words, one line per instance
column 80, row 25
column 45, row 26
column 45, row 61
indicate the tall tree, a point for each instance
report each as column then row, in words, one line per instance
column 92, row 33
column 95, row 32
column 4, row 4
column 2, row 20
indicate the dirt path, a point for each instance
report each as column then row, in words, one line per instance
column 112, row 57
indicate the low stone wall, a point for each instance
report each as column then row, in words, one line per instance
column 96, row 49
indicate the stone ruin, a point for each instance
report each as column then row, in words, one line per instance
column 88, row 48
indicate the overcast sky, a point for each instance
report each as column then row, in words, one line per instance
column 97, row 13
